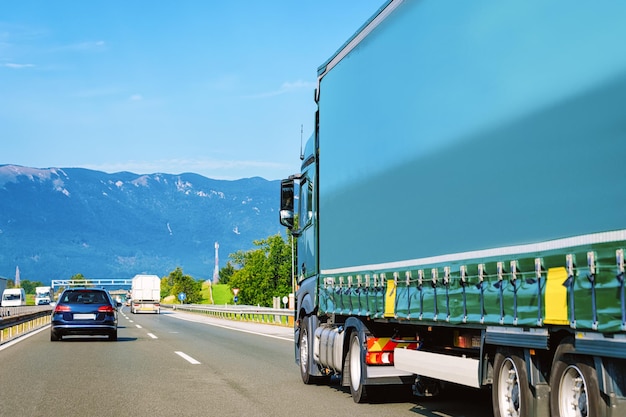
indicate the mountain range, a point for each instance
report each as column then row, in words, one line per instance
column 58, row 222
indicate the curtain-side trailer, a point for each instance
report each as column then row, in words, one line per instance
column 460, row 210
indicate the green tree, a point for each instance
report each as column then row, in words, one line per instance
column 262, row 273
column 226, row 273
column 29, row 286
column 185, row 283
column 166, row 286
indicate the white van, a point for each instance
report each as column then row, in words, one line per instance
column 13, row 297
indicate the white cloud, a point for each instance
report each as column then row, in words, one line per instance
column 17, row 66
column 82, row 46
column 285, row 88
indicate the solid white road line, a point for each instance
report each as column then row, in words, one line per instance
column 187, row 358
column 22, row 337
column 289, row 339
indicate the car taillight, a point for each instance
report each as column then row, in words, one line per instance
column 106, row 309
column 61, row 308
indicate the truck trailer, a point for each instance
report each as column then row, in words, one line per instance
column 145, row 294
column 460, row 209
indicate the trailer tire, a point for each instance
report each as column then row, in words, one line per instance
column 511, row 394
column 358, row 390
column 574, row 389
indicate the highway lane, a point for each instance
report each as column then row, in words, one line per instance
column 217, row 371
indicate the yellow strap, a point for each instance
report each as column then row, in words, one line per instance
column 390, row 298
column 556, row 297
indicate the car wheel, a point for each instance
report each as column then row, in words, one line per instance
column 54, row 337
column 113, row 336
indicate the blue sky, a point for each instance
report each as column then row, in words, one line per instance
column 219, row 88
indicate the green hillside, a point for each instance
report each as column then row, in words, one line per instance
column 221, row 294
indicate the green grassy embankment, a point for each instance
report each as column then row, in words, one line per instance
column 221, row 295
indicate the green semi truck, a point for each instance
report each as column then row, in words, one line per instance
column 460, row 213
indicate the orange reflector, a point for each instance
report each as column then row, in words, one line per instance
column 379, row 358
column 380, row 350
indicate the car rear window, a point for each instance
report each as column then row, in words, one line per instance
column 84, row 297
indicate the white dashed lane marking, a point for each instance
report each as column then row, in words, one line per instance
column 187, row 358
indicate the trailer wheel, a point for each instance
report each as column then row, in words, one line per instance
column 511, row 395
column 355, row 369
column 574, row 389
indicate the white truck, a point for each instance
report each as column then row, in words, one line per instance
column 145, row 294
column 43, row 295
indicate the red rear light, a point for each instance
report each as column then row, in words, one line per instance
column 60, row 308
column 106, row 309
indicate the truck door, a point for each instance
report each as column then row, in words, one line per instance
column 307, row 215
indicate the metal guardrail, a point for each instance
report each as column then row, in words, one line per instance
column 266, row 315
column 19, row 320
column 22, row 310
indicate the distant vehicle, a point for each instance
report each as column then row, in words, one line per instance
column 145, row 294
column 84, row 311
column 43, row 295
column 12, row 297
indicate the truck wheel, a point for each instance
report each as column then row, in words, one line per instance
column 306, row 354
column 355, row 370
column 574, row 390
column 511, row 395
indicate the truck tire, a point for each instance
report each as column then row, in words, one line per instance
column 511, row 395
column 306, row 354
column 355, row 369
column 574, row 389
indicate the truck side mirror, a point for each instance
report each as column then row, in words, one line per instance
column 286, row 203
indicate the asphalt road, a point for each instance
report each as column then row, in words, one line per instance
column 177, row 364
